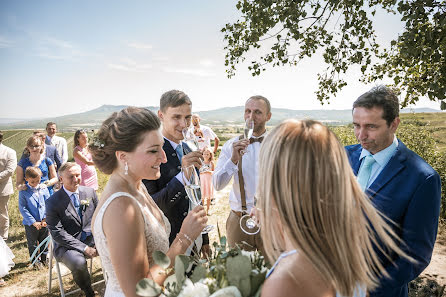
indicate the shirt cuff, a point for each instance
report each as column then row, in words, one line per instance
column 179, row 177
column 230, row 167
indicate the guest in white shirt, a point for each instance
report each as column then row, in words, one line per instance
column 59, row 142
column 258, row 109
column 204, row 140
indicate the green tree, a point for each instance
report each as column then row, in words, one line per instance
column 343, row 31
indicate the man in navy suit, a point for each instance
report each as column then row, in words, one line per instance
column 168, row 191
column 400, row 184
column 68, row 214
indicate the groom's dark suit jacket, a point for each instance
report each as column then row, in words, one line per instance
column 64, row 222
column 408, row 192
column 169, row 193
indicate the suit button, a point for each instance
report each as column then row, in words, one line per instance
column 185, row 213
column 174, row 155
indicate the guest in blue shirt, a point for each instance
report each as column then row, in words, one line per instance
column 34, row 157
column 32, row 207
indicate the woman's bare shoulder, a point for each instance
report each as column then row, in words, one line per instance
column 296, row 278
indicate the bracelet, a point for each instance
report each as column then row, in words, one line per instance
column 187, row 237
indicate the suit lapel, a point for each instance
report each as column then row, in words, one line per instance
column 394, row 167
column 71, row 209
column 354, row 159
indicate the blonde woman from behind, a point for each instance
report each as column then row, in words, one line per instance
column 308, row 191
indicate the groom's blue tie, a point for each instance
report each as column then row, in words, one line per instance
column 179, row 150
column 365, row 171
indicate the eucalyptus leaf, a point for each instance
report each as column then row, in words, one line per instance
column 238, row 271
column 198, row 273
column 147, row 287
column 161, row 259
column 230, row 291
column 257, row 279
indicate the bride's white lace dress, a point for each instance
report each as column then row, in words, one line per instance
column 157, row 238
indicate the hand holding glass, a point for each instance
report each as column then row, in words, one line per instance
column 193, row 189
column 249, row 223
column 247, row 132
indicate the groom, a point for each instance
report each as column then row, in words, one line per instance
column 68, row 214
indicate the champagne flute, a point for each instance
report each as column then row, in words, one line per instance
column 247, row 132
column 249, row 224
column 193, row 189
column 191, row 140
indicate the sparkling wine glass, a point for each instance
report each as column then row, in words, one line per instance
column 249, row 224
column 193, row 189
column 247, row 132
column 191, row 140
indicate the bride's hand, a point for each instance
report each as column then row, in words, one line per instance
column 194, row 223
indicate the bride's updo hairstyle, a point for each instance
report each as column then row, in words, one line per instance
column 307, row 190
column 122, row 131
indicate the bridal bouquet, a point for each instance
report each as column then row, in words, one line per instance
column 230, row 272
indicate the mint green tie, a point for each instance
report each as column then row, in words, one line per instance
column 365, row 171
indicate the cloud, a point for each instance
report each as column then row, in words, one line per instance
column 190, row 71
column 5, row 42
column 129, row 65
column 58, row 49
column 207, row 63
column 58, row 43
column 141, row 46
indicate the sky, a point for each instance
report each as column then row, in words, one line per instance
column 65, row 57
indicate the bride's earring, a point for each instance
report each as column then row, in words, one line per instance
column 126, row 168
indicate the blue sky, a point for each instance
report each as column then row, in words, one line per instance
column 64, row 57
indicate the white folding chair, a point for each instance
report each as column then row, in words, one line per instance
column 59, row 274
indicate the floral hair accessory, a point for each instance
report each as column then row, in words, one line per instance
column 98, row 142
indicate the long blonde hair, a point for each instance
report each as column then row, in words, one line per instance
column 306, row 185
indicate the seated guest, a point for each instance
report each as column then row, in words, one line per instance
column 313, row 210
column 34, row 157
column 32, row 207
column 83, row 158
column 68, row 215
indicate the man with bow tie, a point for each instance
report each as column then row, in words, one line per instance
column 241, row 163
column 68, row 214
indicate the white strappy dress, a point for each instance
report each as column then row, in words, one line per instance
column 157, row 238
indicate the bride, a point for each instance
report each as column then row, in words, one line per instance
column 127, row 225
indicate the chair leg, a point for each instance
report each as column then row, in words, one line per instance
column 50, row 267
column 59, row 275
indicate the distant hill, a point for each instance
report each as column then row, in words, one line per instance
column 227, row 115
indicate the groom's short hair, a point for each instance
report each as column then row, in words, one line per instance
column 173, row 98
